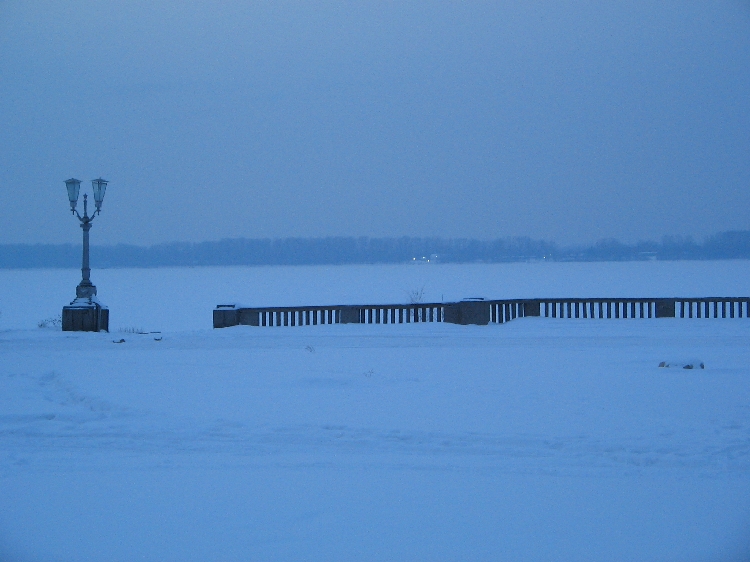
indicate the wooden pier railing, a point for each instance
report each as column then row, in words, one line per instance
column 482, row 312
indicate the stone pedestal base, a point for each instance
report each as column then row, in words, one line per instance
column 85, row 315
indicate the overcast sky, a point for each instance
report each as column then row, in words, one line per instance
column 569, row 121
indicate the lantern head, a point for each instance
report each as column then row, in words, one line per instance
column 100, row 186
column 73, row 186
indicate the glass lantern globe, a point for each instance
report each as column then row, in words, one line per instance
column 100, row 187
column 73, row 185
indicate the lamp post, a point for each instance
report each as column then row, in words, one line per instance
column 85, row 313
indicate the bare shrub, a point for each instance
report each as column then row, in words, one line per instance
column 416, row 296
column 51, row 322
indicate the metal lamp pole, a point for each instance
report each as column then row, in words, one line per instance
column 85, row 313
column 85, row 288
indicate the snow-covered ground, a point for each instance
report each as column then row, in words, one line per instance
column 539, row 439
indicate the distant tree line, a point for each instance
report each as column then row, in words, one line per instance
column 344, row 250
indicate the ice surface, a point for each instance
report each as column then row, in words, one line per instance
column 539, row 439
column 179, row 299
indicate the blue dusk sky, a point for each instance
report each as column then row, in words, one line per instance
column 568, row 121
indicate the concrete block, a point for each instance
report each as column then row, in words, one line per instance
column 225, row 317
column 247, row 317
column 452, row 314
column 466, row 313
column 350, row 315
column 532, row 308
column 665, row 309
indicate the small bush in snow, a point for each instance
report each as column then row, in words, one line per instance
column 416, row 296
column 52, row 322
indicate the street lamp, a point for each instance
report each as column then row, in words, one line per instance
column 85, row 313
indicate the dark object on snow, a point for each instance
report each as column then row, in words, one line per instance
column 683, row 364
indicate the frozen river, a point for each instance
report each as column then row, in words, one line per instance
column 539, row 439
